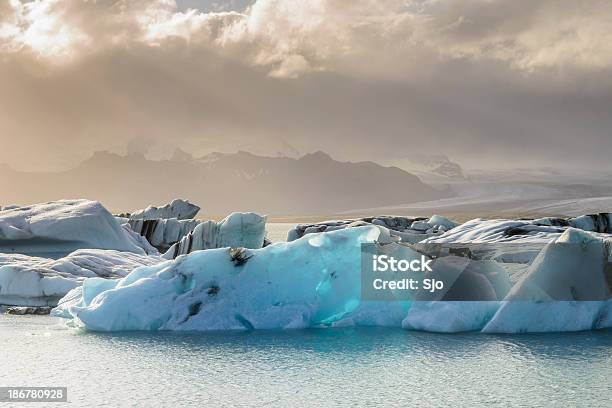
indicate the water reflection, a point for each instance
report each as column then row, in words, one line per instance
column 357, row 342
column 329, row 367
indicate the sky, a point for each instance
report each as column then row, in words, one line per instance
column 489, row 83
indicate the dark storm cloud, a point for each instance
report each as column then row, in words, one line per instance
column 486, row 82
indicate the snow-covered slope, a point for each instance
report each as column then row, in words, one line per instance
column 430, row 167
column 512, row 193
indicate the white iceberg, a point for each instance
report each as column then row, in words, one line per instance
column 34, row 281
column 539, row 231
column 567, row 288
column 406, row 229
column 179, row 209
column 58, row 228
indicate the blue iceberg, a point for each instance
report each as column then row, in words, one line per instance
column 315, row 281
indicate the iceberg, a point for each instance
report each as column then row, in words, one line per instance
column 405, row 229
column 55, row 229
column 567, row 288
column 162, row 233
column 176, row 237
column 246, row 230
column 541, row 230
column 513, row 241
column 34, row 281
column 315, row 281
column 472, row 295
column 179, row 209
column 311, row 282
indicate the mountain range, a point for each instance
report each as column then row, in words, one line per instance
column 223, row 182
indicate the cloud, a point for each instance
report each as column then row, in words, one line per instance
column 504, row 81
column 293, row 37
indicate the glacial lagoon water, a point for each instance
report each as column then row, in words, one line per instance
column 319, row 367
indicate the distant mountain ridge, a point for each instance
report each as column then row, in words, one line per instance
column 426, row 166
column 224, row 182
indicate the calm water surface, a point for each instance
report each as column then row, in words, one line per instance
column 277, row 231
column 319, row 367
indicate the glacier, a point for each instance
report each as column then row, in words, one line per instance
column 315, row 281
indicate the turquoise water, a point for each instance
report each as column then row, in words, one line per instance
column 321, row 367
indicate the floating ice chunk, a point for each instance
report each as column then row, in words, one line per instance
column 246, row 230
column 242, row 230
column 573, row 267
column 399, row 228
column 566, row 289
column 25, row 287
column 179, row 209
column 510, row 240
column 495, row 231
column 309, row 282
column 593, row 222
column 32, row 281
column 438, row 220
column 57, row 228
column 541, row 230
